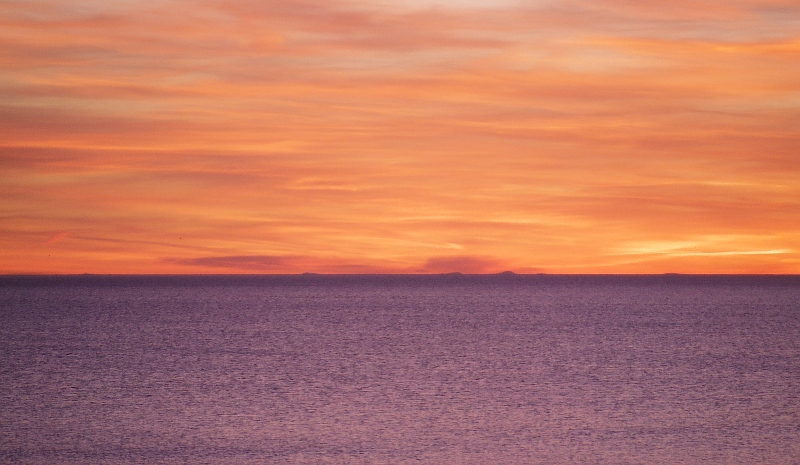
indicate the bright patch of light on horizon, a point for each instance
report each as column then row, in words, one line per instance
column 690, row 249
column 666, row 247
column 731, row 252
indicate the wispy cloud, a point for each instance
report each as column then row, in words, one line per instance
column 277, row 264
column 57, row 237
column 462, row 264
column 553, row 135
column 259, row 263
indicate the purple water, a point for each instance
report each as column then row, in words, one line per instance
column 424, row 370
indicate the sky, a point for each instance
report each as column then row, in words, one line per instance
column 409, row 136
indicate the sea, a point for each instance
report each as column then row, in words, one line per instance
column 438, row 369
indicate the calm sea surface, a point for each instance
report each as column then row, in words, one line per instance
column 394, row 370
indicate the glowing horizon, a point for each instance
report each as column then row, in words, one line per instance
column 424, row 136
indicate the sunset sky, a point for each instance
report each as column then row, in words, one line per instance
column 407, row 136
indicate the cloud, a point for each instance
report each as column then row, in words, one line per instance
column 299, row 264
column 364, row 136
column 280, row 264
column 260, row 263
column 57, row 237
column 462, row 264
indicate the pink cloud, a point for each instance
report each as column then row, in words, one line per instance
column 57, row 237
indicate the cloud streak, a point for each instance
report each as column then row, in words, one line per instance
column 419, row 136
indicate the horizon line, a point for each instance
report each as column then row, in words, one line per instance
column 452, row 274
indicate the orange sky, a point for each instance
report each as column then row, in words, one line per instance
column 252, row 136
